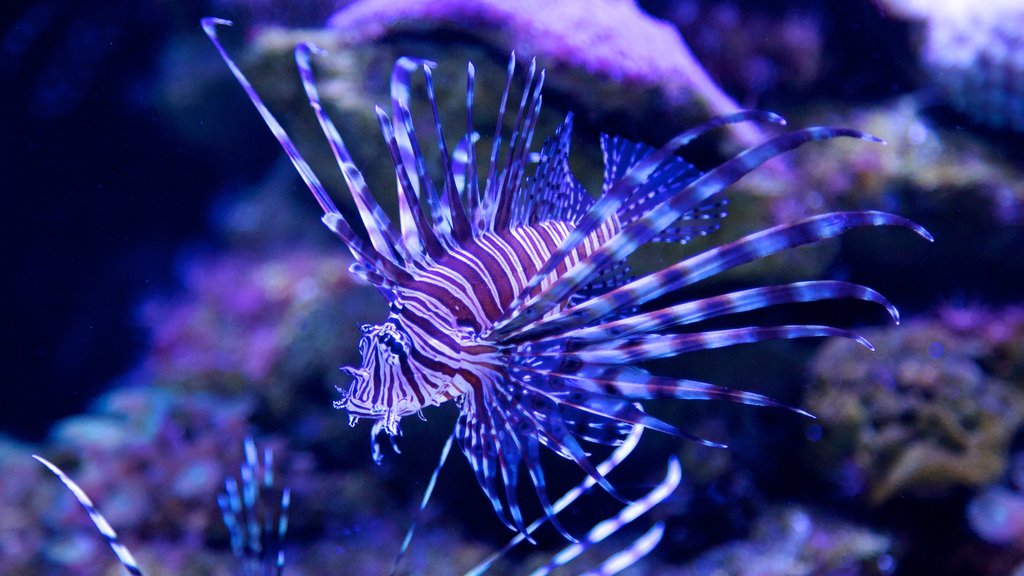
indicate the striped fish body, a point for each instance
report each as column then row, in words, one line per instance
column 473, row 285
column 434, row 345
column 510, row 295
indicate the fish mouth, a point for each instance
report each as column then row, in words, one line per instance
column 356, row 409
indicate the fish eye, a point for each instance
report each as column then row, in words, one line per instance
column 396, row 346
column 392, row 343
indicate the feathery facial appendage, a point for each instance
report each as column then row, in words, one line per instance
column 511, row 295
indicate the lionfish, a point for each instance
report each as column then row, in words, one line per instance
column 510, row 295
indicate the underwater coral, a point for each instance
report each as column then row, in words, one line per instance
column 971, row 53
column 922, row 415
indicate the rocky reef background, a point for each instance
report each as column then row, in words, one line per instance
column 171, row 291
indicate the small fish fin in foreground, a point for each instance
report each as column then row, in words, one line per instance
column 257, row 526
column 427, row 493
column 622, row 559
column 636, row 550
column 122, row 552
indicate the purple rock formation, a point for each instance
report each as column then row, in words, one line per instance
column 925, row 412
column 973, row 52
column 257, row 325
column 637, row 56
column 795, row 540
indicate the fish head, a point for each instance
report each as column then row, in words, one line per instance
column 397, row 375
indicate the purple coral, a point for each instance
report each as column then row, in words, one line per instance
column 797, row 540
column 973, row 53
column 237, row 313
column 152, row 459
column 977, row 60
column 258, row 324
column 613, row 40
column 21, row 536
column 165, row 461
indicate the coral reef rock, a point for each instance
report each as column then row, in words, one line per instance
column 973, row 53
column 608, row 55
column 257, row 324
column 793, row 540
column 922, row 414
